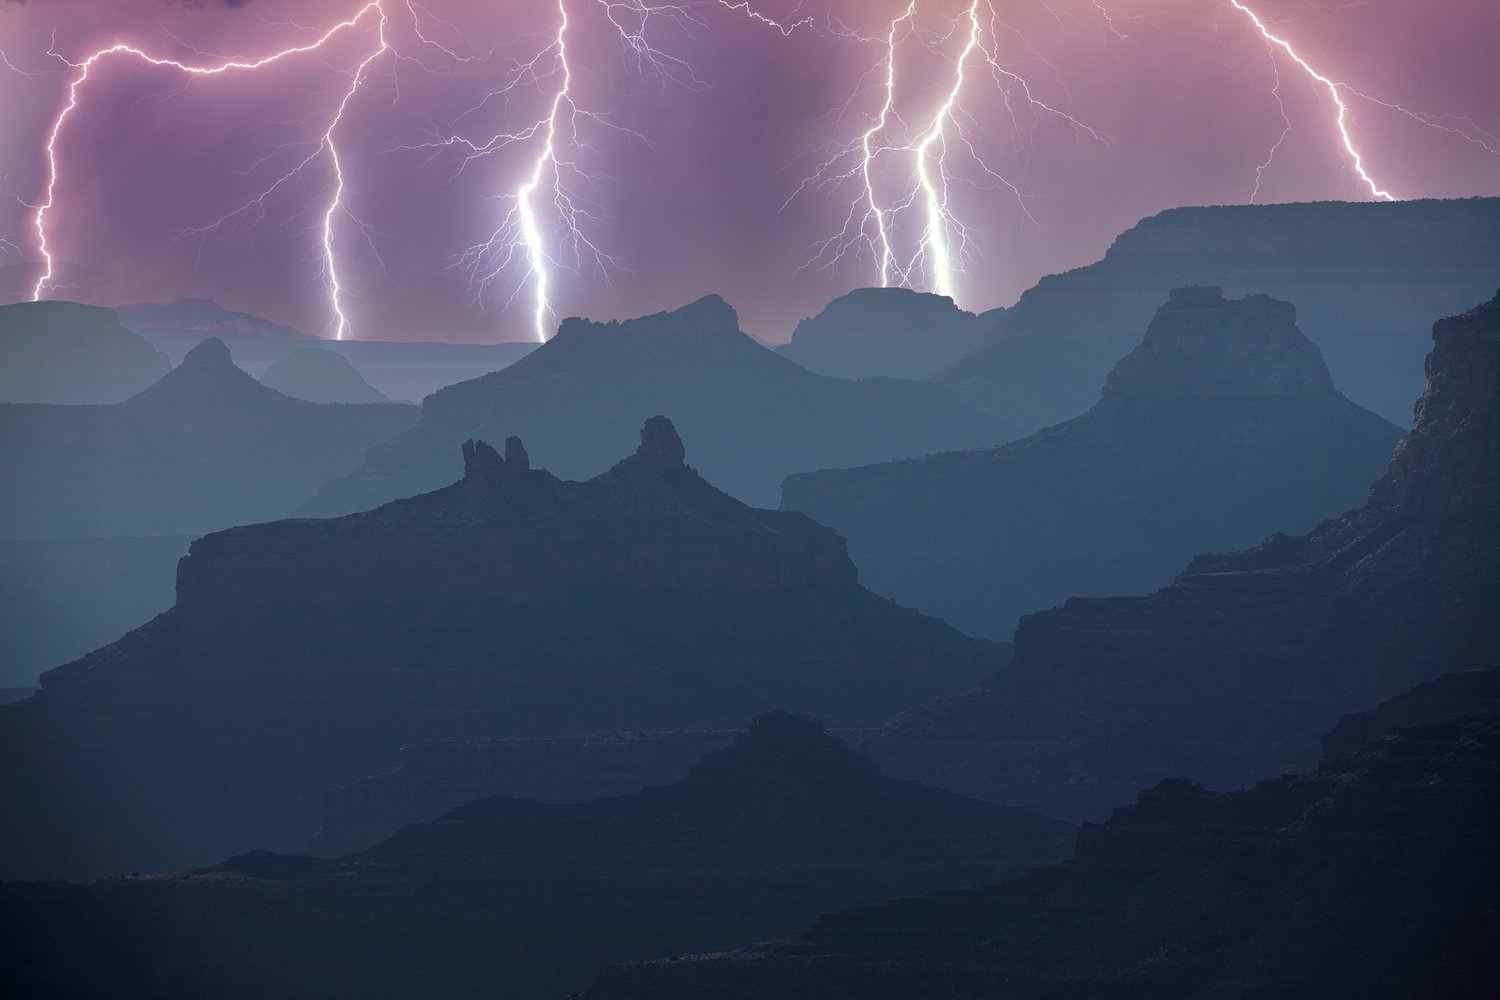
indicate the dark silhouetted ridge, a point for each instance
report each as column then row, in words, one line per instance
column 509, row 603
column 1373, row 876
column 514, row 898
column 748, row 416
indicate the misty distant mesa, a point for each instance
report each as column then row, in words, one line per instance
column 1222, row 425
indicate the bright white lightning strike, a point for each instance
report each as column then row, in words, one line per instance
column 786, row 28
column 1376, row 190
column 530, row 234
column 228, row 66
column 946, row 132
column 938, row 219
column 521, row 233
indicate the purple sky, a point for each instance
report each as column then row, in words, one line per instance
column 693, row 170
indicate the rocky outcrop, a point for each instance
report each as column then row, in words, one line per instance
column 61, row 598
column 65, row 352
column 509, row 897
column 301, row 654
column 1220, row 427
column 893, row 332
column 1367, row 279
column 320, row 376
column 1199, row 345
column 1374, row 876
column 1231, row 673
column 749, row 415
column 1451, row 696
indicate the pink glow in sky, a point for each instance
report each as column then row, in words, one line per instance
column 692, row 165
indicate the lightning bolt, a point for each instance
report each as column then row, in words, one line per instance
column 786, row 28
column 873, row 223
column 1286, row 127
column 546, row 160
column 335, row 205
column 554, row 170
column 934, row 194
column 1340, row 122
column 519, row 236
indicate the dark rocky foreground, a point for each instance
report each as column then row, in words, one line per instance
column 1221, row 427
column 1367, row 279
column 302, row 654
column 1375, row 876
column 749, row 416
column 513, row 898
column 1233, row 671
column 432, row 778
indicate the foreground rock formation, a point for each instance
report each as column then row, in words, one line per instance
column 1373, row 876
column 750, row 416
column 97, row 503
column 513, row 898
column 301, row 654
column 1221, row 427
column 432, row 778
column 1232, row 672
column 1367, row 279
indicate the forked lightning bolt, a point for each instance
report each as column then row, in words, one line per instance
column 554, row 171
column 898, row 170
column 785, row 27
column 1341, row 121
column 370, row 9
column 519, row 235
column 927, row 150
